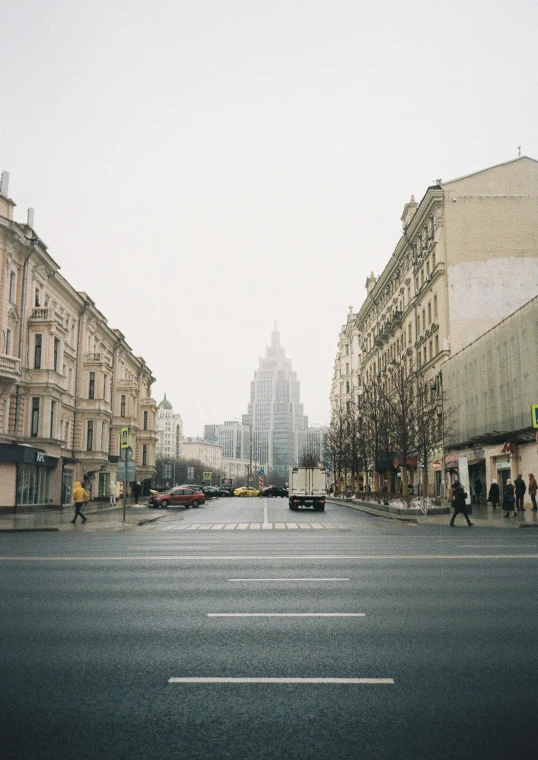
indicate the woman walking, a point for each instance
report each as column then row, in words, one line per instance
column 494, row 493
column 459, row 504
column 509, row 499
column 533, row 487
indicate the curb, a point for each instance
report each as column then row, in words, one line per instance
column 367, row 509
column 29, row 530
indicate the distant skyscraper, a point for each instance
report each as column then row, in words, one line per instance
column 275, row 411
column 169, row 431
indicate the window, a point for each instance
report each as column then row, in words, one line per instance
column 144, row 454
column 37, row 351
column 12, row 287
column 122, row 406
column 436, row 344
column 52, row 419
column 8, row 342
column 35, row 417
column 91, row 387
column 435, row 307
column 431, row 349
column 105, row 387
column 418, row 326
column 37, row 300
column 103, row 436
column 145, row 420
column 89, row 436
column 56, row 353
column 429, row 312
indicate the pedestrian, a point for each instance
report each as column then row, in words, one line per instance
column 112, row 493
column 533, row 486
column 509, row 498
column 80, row 497
column 478, row 489
column 137, row 490
column 520, row 487
column 494, row 493
column 459, row 504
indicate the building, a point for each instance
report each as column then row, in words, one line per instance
column 312, row 443
column 491, row 386
column 467, row 257
column 208, row 453
column 169, row 432
column 68, row 382
column 275, row 412
column 234, row 439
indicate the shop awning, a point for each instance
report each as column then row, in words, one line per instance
column 25, row 454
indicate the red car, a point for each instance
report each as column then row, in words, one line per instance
column 181, row 497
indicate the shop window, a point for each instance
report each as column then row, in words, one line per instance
column 35, row 418
column 33, row 484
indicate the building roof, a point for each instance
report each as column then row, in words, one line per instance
column 165, row 404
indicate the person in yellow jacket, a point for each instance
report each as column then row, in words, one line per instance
column 80, row 497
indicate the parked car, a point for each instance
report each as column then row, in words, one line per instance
column 179, row 496
column 223, row 492
column 244, row 491
column 275, row 491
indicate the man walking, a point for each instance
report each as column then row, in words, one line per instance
column 520, row 487
column 80, row 497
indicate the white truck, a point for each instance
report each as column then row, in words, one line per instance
column 307, row 487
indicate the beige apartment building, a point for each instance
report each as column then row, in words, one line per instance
column 208, row 453
column 492, row 385
column 467, row 257
column 68, row 382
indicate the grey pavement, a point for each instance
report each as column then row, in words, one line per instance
column 100, row 517
column 483, row 516
column 103, row 517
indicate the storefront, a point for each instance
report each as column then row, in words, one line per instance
column 26, row 473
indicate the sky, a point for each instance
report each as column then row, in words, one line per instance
column 205, row 169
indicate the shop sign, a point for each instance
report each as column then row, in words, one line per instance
column 508, row 448
column 436, row 465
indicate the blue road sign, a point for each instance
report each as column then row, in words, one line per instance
column 260, row 472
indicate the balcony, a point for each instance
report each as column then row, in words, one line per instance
column 397, row 318
column 9, row 372
column 46, row 315
column 127, row 385
column 95, row 358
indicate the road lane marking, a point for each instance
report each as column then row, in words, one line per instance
column 282, row 580
column 265, row 557
column 265, row 515
column 286, row 614
column 285, row 680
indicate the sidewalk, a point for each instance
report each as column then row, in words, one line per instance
column 101, row 516
column 483, row 515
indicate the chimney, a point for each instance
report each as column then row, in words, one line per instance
column 370, row 282
column 30, row 220
column 4, row 184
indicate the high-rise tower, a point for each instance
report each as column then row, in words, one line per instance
column 275, row 412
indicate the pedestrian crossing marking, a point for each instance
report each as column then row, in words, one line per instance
column 249, row 526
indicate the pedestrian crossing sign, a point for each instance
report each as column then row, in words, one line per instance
column 534, row 410
column 124, row 438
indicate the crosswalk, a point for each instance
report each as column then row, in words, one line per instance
column 297, row 526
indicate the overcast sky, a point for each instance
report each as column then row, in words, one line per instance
column 204, row 169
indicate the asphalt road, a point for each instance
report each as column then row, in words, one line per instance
column 418, row 641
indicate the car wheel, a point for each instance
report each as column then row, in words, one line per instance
column 195, row 504
column 164, row 504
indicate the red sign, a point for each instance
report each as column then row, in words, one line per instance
column 436, row 465
column 509, row 448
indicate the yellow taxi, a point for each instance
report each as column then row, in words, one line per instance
column 246, row 491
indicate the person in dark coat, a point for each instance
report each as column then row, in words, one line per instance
column 520, row 487
column 494, row 493
column 137, row 490
column 459, row 504
column 509, row 499
column 533, row 487
column 478, row 489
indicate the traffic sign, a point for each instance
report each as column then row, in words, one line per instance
column 207, row 476
column 124, row 438
column 126, row 472
column 260, row 472
column 534, row 410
